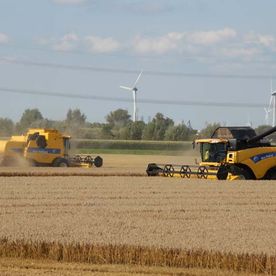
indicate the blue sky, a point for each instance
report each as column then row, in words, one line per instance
column 217, row 37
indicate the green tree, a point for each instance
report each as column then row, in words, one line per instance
column 6, row 127
column 136, row 130
column 30, row 118
column 75, row 122
column 132, row 131
column 75, row 117
column 118, row 118
column 92, row 131
column 156, row 129
column 148, row 133
column 179, row 133
column 106, row 132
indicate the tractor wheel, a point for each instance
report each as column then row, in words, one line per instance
column 242, row 173
column 222, row 172
column 60, row 162
column 98, row 161
column 271, row 174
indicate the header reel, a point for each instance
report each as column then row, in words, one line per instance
column 183, row 171
column 86, row 161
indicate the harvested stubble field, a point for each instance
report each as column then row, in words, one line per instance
column 114, row 164
column 15, row 267
column 138, row 220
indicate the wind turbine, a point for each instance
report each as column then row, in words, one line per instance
column 272, row 106
column 134, row 90
column 273, row 102
column 249, row 122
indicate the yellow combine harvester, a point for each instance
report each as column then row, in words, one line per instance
column 43, row 147
column 231, row 153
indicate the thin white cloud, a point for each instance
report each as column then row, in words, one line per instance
column 4, row 38
column 260, row 39
column 211, row 37
column 244, row 53
column 179, row 41
column 148, row 7
column 203, row 46
column 67, row 43
column 73, row 41
column 159, row 45
column 69, row 2
column 44, row 41
column 98, row 44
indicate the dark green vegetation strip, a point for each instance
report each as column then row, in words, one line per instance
column 131, row 147
column 128, row 151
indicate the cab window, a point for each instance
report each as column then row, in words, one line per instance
column 213, row 152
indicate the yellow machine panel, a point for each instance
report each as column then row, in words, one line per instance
column 3, row 146
column 51, row 145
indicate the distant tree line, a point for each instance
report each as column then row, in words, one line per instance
column 118, row 126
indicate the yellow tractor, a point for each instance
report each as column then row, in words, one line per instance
column 43, row 147
column 231, row 153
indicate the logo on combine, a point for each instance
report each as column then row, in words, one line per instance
column 40, row 150
column 263, row 156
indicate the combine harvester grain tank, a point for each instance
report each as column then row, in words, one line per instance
column 231, row 153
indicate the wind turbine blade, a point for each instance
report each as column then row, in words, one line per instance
column 270, row 103
column 137, row 79
column 266, row 113
column 126, row 88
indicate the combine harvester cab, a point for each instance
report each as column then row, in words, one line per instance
column 44, row 147
column 231, row 153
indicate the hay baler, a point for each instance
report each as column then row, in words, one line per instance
column 231, row 153
column 43, row 147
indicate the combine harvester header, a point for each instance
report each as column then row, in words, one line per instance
column 231, row 153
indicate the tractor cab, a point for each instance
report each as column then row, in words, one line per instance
column 212, row 151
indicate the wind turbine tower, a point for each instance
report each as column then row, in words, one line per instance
column 273, row 96
column 134, row 90
column 271, row 107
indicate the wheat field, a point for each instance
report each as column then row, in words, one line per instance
column 139, row 220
